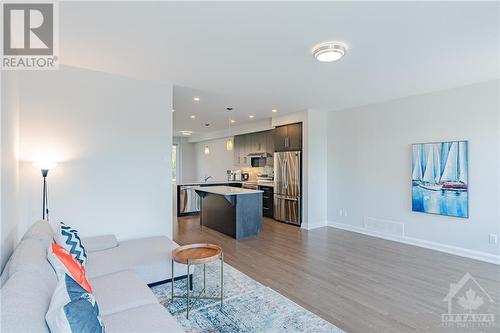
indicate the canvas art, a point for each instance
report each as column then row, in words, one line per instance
column 440, row 178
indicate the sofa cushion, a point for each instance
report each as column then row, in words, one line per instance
column 73, row 309
column 152, row 318
column 150, row 257
column 25, row 299
column 99, row 243
column 121, row 291
column 69, row 238
column 30, row 255
column 40, row 230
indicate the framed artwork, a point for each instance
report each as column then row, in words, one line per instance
column 440, row 178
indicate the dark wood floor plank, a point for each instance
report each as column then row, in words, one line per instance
column 358, row 283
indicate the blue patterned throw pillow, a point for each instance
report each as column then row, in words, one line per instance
column 68, row 238
column 73, row 309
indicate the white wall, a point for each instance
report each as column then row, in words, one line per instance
column 369, row 162
column 10, row 166
column 187, row 164
column 112, row 136
column 217, row 162
column 316, row 168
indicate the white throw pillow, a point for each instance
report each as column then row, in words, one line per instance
column 72, row 309
column 68, row 238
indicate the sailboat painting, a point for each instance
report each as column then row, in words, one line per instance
column 440, row 178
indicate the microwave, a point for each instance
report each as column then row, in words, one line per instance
column 257, row 162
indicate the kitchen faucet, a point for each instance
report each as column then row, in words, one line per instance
column 207, row 178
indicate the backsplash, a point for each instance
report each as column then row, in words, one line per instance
column 253, row 172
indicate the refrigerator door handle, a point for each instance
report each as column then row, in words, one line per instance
column 286, row 198
column 285, row 174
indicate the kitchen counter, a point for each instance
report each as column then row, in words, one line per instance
column 233, row 211
column 214, row 182
column 221, row 182
column 227, row 190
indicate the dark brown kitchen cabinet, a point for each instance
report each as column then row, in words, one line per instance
column 288, row 137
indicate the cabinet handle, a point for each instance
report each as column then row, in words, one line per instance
column 286, row 142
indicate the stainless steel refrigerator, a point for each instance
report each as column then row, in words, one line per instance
column 287, row 189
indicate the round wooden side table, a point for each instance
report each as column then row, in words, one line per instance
column 194, row 255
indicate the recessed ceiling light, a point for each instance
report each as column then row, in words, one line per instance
column 192, row 116
column 274, row 110
column 186, row 133
column 251, row 116
column 233, row 121
column 329, row 51
column 196, row 99
column 173, row 110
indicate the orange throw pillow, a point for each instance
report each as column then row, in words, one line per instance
column 72, row 266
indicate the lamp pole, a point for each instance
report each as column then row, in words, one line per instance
column 45, row 204
column 44, row 167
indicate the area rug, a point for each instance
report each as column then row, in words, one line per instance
column 248, row 306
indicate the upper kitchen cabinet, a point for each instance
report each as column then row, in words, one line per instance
column 252, row 143
column 239, row 150
column 288, row 137
column 258, row 142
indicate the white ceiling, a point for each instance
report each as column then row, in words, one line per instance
column 256, row 56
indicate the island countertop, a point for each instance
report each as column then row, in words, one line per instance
column 226, row 190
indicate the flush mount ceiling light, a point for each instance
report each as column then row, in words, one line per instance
column 196, row 99
column 192, row 116
column 251, row 116
column 233, row 121
column 329, row 51
column 186, row 133
column 274, row 110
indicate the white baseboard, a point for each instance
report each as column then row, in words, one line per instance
column 310, row 226
column 478, row 255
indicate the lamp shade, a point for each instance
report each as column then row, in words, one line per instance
column 229, row 144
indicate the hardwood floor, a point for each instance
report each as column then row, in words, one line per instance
column 358, row 283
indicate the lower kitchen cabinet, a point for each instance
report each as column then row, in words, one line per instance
column 267, row 200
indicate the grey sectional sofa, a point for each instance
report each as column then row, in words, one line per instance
column 118, row 273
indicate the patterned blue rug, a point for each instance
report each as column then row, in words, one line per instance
column 248, row 306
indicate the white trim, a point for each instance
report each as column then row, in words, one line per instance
column 310, row 226
column 459, row 251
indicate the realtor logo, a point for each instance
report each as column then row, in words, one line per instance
column 467, row 301
column 29, row 35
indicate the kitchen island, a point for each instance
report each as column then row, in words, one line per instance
column 233, row 211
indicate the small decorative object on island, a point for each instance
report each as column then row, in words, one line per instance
column 440, row 178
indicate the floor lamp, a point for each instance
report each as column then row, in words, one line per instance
column 45, row 167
